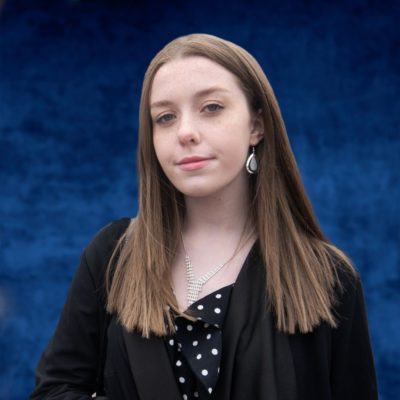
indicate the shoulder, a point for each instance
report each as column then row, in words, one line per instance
column 108, row 235
column 350, row 312
column 348, row 290
column 345, row 285
column 99, row 250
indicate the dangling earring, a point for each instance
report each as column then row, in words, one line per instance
column 251, row 163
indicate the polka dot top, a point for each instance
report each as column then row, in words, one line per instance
column 195, row 349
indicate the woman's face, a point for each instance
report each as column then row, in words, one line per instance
column 202, row 126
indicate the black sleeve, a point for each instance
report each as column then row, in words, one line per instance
column 68, row 367
column 352, row 364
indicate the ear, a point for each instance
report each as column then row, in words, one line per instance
column 257, row 128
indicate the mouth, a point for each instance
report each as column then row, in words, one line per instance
column 194, row 162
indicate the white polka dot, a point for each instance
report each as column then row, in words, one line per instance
column 189, row 327
column 206, row 325
column 180, row 345
column 200, row 307
column 217, row 310
column 196, row 394
column 218, row 295
column 178, row 363
column 209, row 390
column 198, row 356
column 199, row 318
column 181, row 379
column 214, row 352
column 195, row 343
column 176, row 327
column 204, row 372
column 184, row 397
column 218, row 370
column 171, row 342
column 208, row 336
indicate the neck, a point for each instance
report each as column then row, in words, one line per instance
column 216, row 237
column 223, row 212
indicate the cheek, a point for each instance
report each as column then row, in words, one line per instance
column 238, row 142
column 163, row 152
column 159, row 148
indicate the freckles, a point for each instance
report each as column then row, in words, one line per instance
column 159, row 138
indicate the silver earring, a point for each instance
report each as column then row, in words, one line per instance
column 251, row 163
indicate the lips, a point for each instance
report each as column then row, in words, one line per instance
column 192, row 163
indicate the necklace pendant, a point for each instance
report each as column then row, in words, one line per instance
column 194, row 286
column 193, row 290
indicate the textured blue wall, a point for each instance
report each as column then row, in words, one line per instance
column 70, row 80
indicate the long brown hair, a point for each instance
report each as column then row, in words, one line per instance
column 300, row 262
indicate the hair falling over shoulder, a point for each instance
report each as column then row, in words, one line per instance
column 301, row 265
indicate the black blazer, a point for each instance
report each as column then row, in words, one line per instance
column 258, row 362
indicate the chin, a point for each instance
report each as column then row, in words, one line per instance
column 201, row 191
column 206, row 187
column 196, row 193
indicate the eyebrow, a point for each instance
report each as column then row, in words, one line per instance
column 200, row 93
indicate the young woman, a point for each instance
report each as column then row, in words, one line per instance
column 223, row 286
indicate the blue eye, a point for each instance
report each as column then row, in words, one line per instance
column 213, row 107
column 165, row 118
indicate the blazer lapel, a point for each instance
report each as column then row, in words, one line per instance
column 266, row 368
column 151, row 368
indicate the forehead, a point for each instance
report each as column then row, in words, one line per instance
column 191, row 74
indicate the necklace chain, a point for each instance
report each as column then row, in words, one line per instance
column 195, row 286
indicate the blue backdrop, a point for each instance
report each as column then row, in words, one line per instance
column 70, row 80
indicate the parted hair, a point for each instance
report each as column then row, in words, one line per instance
column 300, row 263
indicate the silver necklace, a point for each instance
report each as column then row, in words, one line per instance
column 195, row 286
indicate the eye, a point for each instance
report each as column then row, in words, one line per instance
column 164, row 118
column 213, row 107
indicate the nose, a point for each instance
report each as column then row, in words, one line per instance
column 188, row 132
